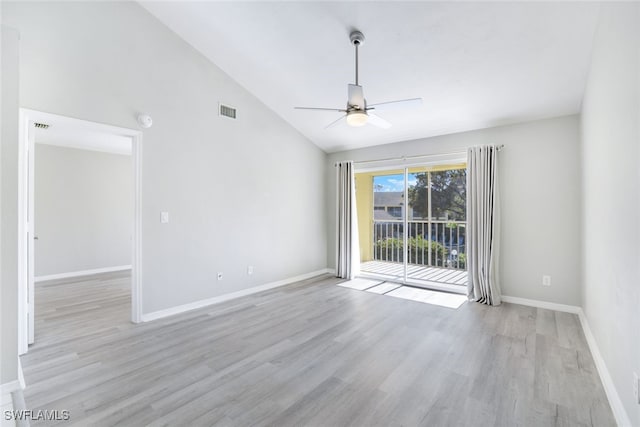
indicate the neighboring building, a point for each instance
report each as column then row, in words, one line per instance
column 388, row 205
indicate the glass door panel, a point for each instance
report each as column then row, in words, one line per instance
column 412, row 225
column 381, row 225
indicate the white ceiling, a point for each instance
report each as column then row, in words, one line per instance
column 476, row 65
column 74, row 133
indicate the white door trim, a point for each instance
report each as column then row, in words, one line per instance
column 23, row 234
column 136, row 250
column 27, row 118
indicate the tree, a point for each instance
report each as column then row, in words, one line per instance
column 448, row 194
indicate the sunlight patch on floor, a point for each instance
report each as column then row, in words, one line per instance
column 443, row 299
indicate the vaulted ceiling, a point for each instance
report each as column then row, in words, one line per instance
column 475, row 64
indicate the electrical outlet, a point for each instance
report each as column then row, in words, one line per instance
column 250, row 270
column 636, row 385
column 546, row 280
column 220, row 275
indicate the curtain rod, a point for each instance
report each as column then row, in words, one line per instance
column 405, row 158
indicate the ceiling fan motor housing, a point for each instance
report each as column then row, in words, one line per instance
column 357, row 38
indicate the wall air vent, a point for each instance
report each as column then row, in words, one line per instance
column 41, row 125
column 227, row 111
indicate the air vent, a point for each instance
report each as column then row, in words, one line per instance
column 227, row 111
column 41, row 125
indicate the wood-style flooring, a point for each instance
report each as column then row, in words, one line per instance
column 308, row 353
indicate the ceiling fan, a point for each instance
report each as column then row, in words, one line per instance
column 358, row 112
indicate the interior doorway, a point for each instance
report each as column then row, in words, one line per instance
column 412, row 225
column 61, row 133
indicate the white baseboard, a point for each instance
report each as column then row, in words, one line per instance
column 574, row 309
column 7, row 388
column 82, row 273
column 621, row 416
column 221, row 298
column 6, row 399
column 5, row 391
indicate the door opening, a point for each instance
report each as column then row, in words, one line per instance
column 97, row 134
column 412, row 225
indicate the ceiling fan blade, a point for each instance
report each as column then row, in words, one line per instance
column 356, row 96
column 335, row 122
column 392, row 105
column 321, row 109
column 378, row 121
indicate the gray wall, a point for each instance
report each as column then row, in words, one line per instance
column 83, row 210
column 239, row 193
column 611, row 196
column 540, row 199
column 9, row 209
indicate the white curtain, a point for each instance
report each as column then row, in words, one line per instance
column 348, row 247
column 483, row 229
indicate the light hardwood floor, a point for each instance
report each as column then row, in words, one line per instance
column 309, row 353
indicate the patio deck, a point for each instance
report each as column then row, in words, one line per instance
column 418, row 274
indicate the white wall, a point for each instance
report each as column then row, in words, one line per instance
column 540, row 199
column 239, row 193
column 611, row 196
column 9, row 208
column 83, row 210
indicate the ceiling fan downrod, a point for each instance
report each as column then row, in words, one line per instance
column 357, row 39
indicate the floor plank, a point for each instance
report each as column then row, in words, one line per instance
column 309, row 353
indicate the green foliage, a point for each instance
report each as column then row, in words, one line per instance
column 462, row 261
column 390, row 249
column 448, row 194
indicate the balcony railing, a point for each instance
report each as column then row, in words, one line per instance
column 436, row 243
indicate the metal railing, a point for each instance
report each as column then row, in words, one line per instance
column 436, row 243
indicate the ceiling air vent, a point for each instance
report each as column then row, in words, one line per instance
column 41, row 125
column 227, row 111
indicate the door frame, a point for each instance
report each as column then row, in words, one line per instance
column 404, row 165
column 26, row 287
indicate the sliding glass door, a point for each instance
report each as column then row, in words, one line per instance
column 385, row 211
column 412, row 225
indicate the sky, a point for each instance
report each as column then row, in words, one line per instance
column 391, row 182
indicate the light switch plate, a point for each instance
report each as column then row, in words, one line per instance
column 164, row 217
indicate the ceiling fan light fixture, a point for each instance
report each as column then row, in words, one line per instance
column 357, row 118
